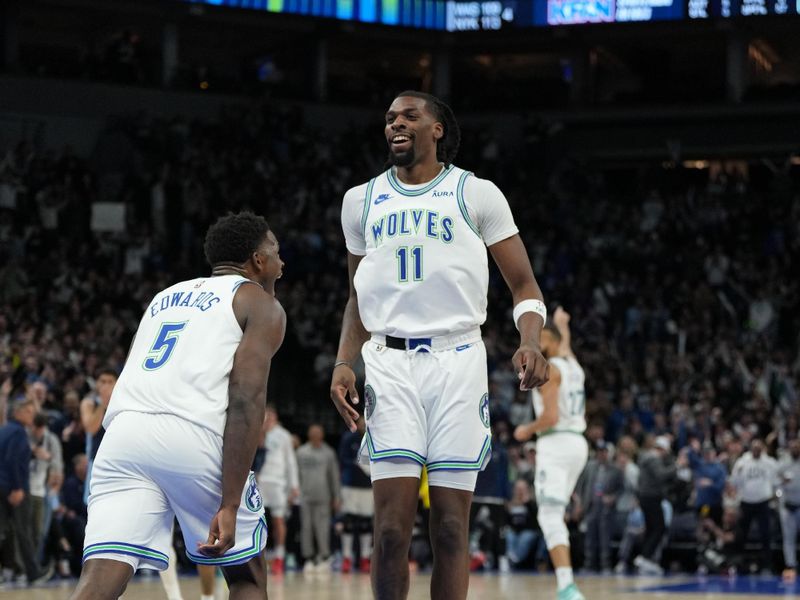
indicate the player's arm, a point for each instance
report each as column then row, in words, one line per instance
column 549, row 416
column 353, row 336
column 263, row 323
column 293, row 477
column 512, row 260
column 92, row 415
column 561, row 321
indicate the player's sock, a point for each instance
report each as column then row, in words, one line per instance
column 169, row 578
column 365, row 541
column 280, row 551
column 347, row 545
column 564, row 577
column 204, row 597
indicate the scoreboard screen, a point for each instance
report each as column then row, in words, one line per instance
column 484, row 15
column 710, row 9
column 576, row 12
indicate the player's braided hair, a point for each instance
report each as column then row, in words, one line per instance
column 447, row 147
column 234, row 238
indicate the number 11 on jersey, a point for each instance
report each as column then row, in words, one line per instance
column 403, row 255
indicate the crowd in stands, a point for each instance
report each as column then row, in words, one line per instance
column 681, row 284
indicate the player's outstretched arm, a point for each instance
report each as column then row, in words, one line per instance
column 263, row 322
column 549, row 416
column 561, row 321
column 512, row 260
column 353, row 336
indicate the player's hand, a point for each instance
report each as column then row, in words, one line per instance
column 560, row 317
column 294, row 494
column 522, row 433
column 343, row 383
column 532, row 368
column 221, row 533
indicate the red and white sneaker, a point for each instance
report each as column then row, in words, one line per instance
column 347, row 565
column 365, row 565
column 277, row 566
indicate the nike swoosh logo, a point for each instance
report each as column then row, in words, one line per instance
column 379, row 200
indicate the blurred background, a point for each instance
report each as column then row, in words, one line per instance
column 649, row 150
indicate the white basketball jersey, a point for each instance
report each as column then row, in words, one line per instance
column 182, row 356
column 571, row 396
column 425, row 272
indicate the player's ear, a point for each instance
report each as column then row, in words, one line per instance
column 438, row 131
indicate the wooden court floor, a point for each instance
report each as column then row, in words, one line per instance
column 482, row 587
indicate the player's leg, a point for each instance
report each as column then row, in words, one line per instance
column 207, row 575
column 247, row 581
column 348, row 535
column 114, row 547
column 276, row 498
column 560, row 460
column 395, row 509
column 395, row 500
column 449, row 528
column 102, row 579
column 364, row 528
column 279, row 533
column 169, row 577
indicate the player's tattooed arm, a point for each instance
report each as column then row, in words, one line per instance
column 263, row 323
column 549, row 416
column 512, row 260
column 353, row 336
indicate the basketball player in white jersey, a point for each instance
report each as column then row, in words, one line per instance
column 561, row 449
column 416, row 237
column 184, row 422
column 279, row 481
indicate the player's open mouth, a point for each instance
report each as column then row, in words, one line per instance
column 400, row 142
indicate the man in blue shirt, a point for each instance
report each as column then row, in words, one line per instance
column 15, row 503
column 709, row 481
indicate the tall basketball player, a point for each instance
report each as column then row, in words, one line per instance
column 561, row 449
column 416, row 238
column 184, row 422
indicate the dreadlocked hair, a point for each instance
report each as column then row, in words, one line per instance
column 447, row 146
column 234, row 238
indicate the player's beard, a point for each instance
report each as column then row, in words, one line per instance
column 402, row 159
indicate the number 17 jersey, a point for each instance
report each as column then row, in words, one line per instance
column 571, row 396
column 182, row 355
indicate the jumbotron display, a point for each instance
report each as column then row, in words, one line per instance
column 467, row 15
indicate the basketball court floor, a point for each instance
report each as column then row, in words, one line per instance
column 482, row 587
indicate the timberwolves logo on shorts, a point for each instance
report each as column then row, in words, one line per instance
column 369, row 401
column 252, row 496
column 483, row 410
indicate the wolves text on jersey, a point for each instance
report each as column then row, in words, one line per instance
column 413, row 222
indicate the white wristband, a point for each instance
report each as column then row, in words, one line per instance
column 536, row 306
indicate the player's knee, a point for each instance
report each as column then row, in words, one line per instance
column 551, row 520
column 450, row 536
column 392, row 540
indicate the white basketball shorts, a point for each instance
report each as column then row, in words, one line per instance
column 560, row 459
column 276, row 498
column 151, row 468
column 427, row 409
column 357, row 501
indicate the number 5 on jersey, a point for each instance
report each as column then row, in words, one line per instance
column 164, row 346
